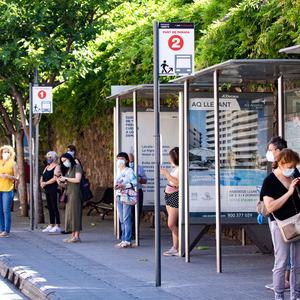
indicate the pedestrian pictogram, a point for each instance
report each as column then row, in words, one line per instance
column 42, row 99
column 176, row 49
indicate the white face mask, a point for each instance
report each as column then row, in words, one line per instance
column 5, row 156
column 67, row 164
column 270, row 156
column 120, row 163
column 288, row 172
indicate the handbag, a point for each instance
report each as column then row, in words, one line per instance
column 64, row 198
column 261, row 208
column 170, row 189
column 128, row 196
column 289, row 228
column 85, row 189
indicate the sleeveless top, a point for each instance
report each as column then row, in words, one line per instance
column 47, row 175
column 6, row 185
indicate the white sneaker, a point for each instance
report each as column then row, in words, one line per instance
column 171, row 252
column 48, row 228
column 55, row 229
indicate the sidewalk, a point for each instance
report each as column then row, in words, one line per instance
column 43, row 267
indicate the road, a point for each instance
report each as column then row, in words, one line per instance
column 9, row 292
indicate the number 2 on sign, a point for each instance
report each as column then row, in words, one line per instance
column 175, row 42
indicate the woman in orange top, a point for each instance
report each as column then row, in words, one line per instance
column 8, row 174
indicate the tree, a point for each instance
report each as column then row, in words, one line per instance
column 52, row 36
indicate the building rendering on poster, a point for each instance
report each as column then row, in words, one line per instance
column 245, row 127
column 169, row 132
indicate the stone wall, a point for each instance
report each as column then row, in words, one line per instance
column 95, row 151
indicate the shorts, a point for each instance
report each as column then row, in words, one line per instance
column 172, row 199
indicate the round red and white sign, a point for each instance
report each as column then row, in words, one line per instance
column 42, row 94
column 175, row 42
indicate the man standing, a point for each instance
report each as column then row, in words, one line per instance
column 142, row 180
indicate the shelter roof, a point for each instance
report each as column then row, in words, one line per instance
column 237, row 71
column 291, row 50
column 145, row 91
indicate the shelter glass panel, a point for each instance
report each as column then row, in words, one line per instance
column 245, row 127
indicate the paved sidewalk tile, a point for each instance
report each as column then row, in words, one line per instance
column 43, row 267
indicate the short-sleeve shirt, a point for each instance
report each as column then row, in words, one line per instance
column 273, row 188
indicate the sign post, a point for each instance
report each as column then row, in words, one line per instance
column 40, row 102
column 173, row 54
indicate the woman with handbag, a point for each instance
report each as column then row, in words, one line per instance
column 49, row 184
column 125, row 179
column 171, row 198
column 280, row 196
column 72, row 173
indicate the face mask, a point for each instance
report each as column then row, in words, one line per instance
column 71, row 153
column 270, row 156
column 288, row 172
column 131, row 165
column 67, row 164
column 120, row 163
column 5, row 156
column 50, row 160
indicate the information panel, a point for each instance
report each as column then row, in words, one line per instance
column 245, row 122
column 169, row 131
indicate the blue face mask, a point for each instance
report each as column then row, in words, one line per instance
column 131, row 164
column 71, row 153
column 50, row 160
column 67, row 164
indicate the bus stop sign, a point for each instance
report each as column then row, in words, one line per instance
column 176, row 49
column 42, row 99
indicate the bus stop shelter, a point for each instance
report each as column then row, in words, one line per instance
column 232, row 72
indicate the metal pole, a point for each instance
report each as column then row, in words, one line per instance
column 136, row 169
column 117, row 150
column 186, row 171
column 217, row 172
column 36, row 117
column 157, row 156
column 36, row 196
column 31, row 159
column 280, row 107
column 181, row 173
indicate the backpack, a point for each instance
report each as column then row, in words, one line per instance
column 85, row 189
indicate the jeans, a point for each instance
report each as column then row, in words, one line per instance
column 282, row 251
column 5, row 214
column 141, row 200
column 124, row 211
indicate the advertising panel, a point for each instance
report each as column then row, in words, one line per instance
column 169, row 132
column 245, row 121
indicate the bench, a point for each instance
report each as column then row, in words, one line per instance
column 102, row 202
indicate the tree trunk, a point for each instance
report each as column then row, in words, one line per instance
column 22, row 178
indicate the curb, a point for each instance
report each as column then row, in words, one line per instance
column 27, row 284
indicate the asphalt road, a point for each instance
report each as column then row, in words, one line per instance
column 9, row 292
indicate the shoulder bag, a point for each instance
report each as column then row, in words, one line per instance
column 289, row 228
column 128, row 196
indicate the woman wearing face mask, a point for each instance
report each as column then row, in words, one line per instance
column 72, row 173
column 171, row 198
column 49, row 184
column 125, row 179
column 8, row 174
column 281, row 198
